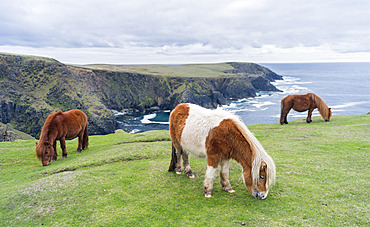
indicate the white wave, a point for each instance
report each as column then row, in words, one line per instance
column 290, row 80
column 244, row 110
column 119, row 113
column 290, row 85
column 146, row 119
column 266, row 103
column 348, row 105
column 134, row 131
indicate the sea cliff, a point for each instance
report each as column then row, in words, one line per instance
column 32, row 87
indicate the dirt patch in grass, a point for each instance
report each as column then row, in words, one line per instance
column 145, row 141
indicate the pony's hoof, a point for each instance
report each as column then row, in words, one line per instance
column 230, row 190
column 78, row 152
column 208, row 195
column 189, row 173
column 64, row 157
column 177, row 172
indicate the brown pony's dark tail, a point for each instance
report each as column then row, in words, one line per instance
column 85, row 140
column 173, row 160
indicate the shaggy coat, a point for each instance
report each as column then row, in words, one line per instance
column 61, row 126
column 219, row 136
column 301, row 103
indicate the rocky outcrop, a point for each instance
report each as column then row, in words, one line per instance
column 8, row 134
column 32, row 87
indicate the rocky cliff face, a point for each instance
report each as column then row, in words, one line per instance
column 31, row 88
column 123, row 90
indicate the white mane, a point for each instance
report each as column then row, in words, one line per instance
column 260, row 155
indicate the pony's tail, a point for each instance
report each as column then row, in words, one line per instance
column 173, row 160
column 282, row 111
column 85, row 140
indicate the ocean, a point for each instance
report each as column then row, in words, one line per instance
column 345, row 87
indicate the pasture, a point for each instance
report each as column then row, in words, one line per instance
column 122, row 180
column 186, row 70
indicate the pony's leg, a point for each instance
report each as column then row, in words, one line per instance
column 85, row 139
column 308, row 119
column 187, row 169
column 208, row 181
column 55, row 156
column 284, row 116
column 176, row 159
column 80, row 141
column 63, row 146
column 224, row 176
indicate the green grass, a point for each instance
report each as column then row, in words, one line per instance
column 122, row 180
column 186, row 70
column 31, row 57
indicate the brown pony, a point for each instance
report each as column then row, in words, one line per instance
column 219, row 136
column 61, row 126
column 301, row 103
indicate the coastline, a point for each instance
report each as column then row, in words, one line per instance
column 299, row 78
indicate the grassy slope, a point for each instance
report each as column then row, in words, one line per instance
column 31, row 57
column 186, row 70
column 322, row 179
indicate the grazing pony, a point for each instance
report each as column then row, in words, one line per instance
column 219, row 136
column 301, row 103
column 61, row 126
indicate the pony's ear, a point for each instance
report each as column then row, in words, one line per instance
column 329, row 108
column 263, row 165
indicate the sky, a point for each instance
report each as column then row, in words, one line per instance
column 187, row 31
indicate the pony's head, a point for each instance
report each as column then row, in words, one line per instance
column 260, row 179
column 259, row 170
column 45, row 152
column 324, row 110
column 329, row 115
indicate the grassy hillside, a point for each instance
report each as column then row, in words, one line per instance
column 122, row 180
column 186, row 70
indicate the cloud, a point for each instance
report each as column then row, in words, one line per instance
column 202, row 29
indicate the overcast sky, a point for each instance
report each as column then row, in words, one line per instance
column 187, row 31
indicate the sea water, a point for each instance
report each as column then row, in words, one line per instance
column 345, row 87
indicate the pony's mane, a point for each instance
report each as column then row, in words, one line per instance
column 48, row 121
column 260, row 155
column 321, row 105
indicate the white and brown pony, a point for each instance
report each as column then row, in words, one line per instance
column 301, row 103
column 219, row 136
